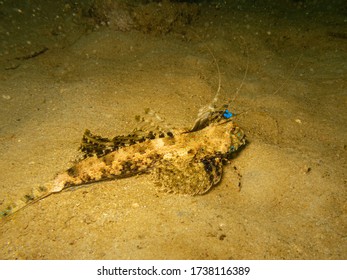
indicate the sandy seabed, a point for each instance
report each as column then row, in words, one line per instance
column 283, row 72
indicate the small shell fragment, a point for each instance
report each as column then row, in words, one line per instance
column 7, row 97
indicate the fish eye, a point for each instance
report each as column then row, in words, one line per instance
column 227, row 114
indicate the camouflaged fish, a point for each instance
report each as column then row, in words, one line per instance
column 179, row 161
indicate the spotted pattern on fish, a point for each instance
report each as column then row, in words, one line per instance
column 179, row 161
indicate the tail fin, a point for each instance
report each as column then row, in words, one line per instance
column 33, row 196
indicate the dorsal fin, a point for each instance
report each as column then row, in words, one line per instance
column 150, row 127
column 209, row 116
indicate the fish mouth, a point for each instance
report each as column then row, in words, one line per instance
column 238, row 139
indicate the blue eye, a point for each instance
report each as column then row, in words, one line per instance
column 227, row 114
